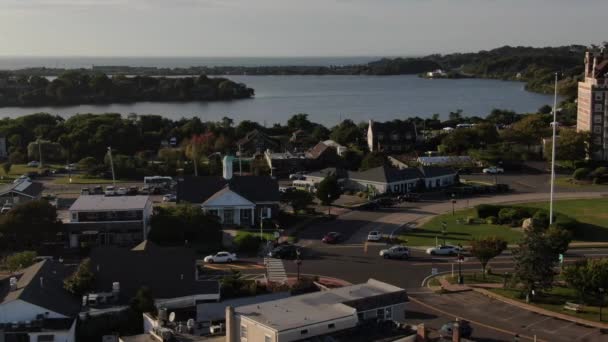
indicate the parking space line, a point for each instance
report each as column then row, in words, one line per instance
column 539, row 321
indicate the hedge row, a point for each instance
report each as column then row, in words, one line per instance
column 509, row 214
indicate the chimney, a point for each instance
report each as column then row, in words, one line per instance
column 41, row 282
column 13, row 283
column 230, row 325
column 456, row 331
column 594, row 66
column 116, row 288
column 227, row 167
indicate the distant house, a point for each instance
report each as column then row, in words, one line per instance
column 24, row 191
column 384, row 179
column 437, row 176
column 170, row 273
column 314, row 314
column 282, row 164
column 392, row 136
column 35, row 307
column 300, row 140
column 256, row 142
column 109, row 220
column 324, row 154
column 445, row 161
column 236, row 200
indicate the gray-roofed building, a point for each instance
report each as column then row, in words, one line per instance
column 438, row 176
column 169, row 272
column 315, row 314
column 213, row 312
column 384, row 179
column 15, row 193
column 34, row 303
column 236, row 200
column 109, row 220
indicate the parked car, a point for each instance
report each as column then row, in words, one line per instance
column 6, row 208
column 372, row 205
column 492, row 170
column 85, row 191
column 465, row 328
column 59, row 171
column 297, row 176
column 464, row 171
column 110, row 191
column 132, row 190
column 71, row 167
column 220, row 257
column 144, row 190
column 22, row 178
column 121, row 191
column 98, row 190
column 395, row 252
column 332, row 237
column 284, row 252
column 169, row 198
column 444, row 250
column 33, row 163
column 374, row 235
column 409, row 197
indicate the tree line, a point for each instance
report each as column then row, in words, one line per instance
column 76, row 87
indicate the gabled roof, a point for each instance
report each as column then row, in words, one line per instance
column 436, row 171
column 601, row 69
column 31, row 189
column 227, row 195
column 48, row 293
column 317, row 151
column 386, row 174
column 167, row 271
column 253, row 188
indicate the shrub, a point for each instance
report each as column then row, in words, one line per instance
column 247, row 243
column 487, row 210
column 507, row 215
column 599, row 172
column 491, row 220
column 582, row 173
column 540, row 220
column 565, row 222
column 470, row 220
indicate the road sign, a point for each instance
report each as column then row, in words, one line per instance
column 277, row 235
column 434, row 271
column 561, row 258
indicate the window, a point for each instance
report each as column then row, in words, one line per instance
column 599, row 96
column 599, row 107
column 597, row 141
column 597, row 119
column 380, row 314
column 360, row 316
column 46, row 338
column 331, row 326
column 304, row 332
column 245, row 213
column 388, row 313
column 395, row 137
column 74, row 216
column 597, row 129
column 243, row 332
column 267, row 338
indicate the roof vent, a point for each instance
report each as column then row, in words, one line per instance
column 41, row 282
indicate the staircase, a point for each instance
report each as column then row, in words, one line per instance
column 275, row 270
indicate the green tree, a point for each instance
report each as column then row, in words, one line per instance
column 299, row 121
column 184, row 222
column 346, row 133
column 20, row 260
column 486, row 249
column 81, row 280
column 372, row 160
column 232, row 285
column 30, row 224
column 537, row 256
column 90, row 165
column 586, row 277
column 570, row 146
column 6, row 167
column 545, row 109
column 328, row 190
column 528, row 131
column 143, row 302
column 298, row 199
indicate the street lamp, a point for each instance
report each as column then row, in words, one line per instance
column 453, row 203
column 601, row 290
column 460, row 277
column 328, row 205
column 298, row 262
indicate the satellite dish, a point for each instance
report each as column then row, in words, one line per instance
column 172, row 317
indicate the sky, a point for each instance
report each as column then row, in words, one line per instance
column 243, row 28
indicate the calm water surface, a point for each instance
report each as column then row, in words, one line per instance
column 328, row 98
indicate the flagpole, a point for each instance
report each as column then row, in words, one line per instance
column 553, row 152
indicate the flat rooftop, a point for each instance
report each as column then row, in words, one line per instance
column 107, row 203
column 294, row 312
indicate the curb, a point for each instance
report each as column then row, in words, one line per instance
column 541, row 311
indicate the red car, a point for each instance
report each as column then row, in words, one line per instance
column 332, row 237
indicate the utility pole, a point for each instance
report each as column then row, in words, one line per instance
column 553, row 152
column 39, row 153
column 240, row 165
column 112, row 166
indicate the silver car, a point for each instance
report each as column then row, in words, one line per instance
column 395, row 252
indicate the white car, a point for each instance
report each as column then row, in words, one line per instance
column 492, row 170
column 395, row 252
column 374, row 235
column 22, row 178
column 296, row 176
column 33, row 163
column 444, row 250
column 169, row 198
column 220, row 257
column 121, row 191
column 110, row 191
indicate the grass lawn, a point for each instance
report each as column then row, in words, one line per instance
column 20, row 169
column 477, row 278
column 458, row 231
column 554, row 300
column 592, row 213
column 568, row 182
column 82, row 179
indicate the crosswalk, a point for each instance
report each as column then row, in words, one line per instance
column 229, row 267
column 244, row 276
column 275, row 270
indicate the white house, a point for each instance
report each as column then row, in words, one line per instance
column 35, row 307
column 315, row 314
column 437, row 176
column 236, row 200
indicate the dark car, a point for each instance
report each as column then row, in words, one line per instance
column 132, row 190
column 464, row 171
column 284, row 252
column 332, row 237
column 98, row 190
column 409, row 197
column 60, row 171
column 465, row 329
